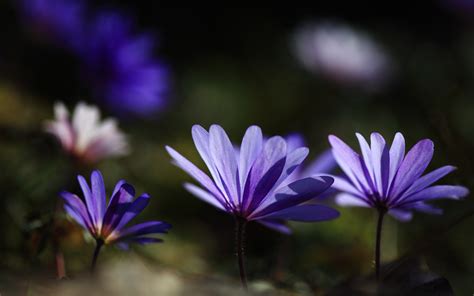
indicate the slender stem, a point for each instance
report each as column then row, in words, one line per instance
column 56, row 242
column 240, row 245
column 98, row 246
column 378, row 240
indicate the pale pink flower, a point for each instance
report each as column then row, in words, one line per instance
column 84, row 136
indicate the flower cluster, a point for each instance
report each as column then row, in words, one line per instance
column 261, row 180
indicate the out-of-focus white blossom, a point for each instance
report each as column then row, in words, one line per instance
column 342, row 54
column 84, row 136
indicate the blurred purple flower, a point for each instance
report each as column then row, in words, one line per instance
column 116, row 62
column 84, row 136
column 106, row 222
column 253, row 184
column 121, row 68
column 386, row 179
column 59, row 20
column 342, row 54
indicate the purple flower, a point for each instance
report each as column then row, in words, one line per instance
column 107, row 222
column 121, row 67
column 252, row 182
column 387, row 179
column 116, row 62
column 60, row 20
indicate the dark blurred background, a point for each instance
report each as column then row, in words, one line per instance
column 237, row 66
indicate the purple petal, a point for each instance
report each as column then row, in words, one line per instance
column 350, row 163
column 264, row 173
column 201, row 141
column 294, row 141
column 73, row 204
column 348, row 200
column 204, row 195
column 324, row 164
column 401, row 215
column 293, row 161
column 426, row 208
column 414, row 164
column 343, row 185
column 88, row 198
column 305, row 213
column 196, row 173
column 368, row 159
column 380, row 161
column 151, row 227
column 429, row 179
column 223, row 156
column 119, row 203
column 76, row 216
column 116, row 189
column 277, row 225
column 98, row 194
column 135, row 208
column 397, row 151
column 250, row 149
column 437, row 192
column 294, row 194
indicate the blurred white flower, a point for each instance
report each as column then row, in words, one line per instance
column 342, row 54
column 84, row 136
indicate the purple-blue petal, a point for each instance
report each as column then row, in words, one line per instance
column 350, row 162
column 201, row 141
column 401, row 215
column 436, row 192
column 151, row 227
column 264, row 173
column 380, row 161
column 135, row 208
column 414, row 164
column 250, row 149
column 204, row 195
column 426, row 208
column 349, row 200
column 196, row 173
column 429, row 179
column 118, row 205
column 89, row 199
column 116, row 189
column 397, row 153
column 223, row 155
column 81, row 215
column 305, row 213
column 277, row 225
column 295, row 193
column 293, row 162
column 98, row 194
